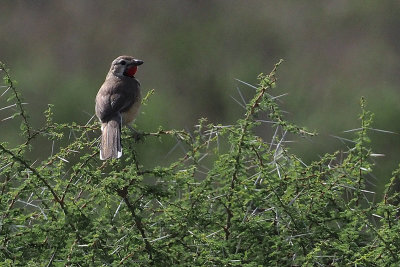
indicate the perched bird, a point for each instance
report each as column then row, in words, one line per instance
column 117, row 104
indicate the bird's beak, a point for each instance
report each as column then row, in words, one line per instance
column 137, row 62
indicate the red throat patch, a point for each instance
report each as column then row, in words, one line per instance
column 131, row 71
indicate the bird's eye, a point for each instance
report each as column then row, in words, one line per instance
column 123, row 62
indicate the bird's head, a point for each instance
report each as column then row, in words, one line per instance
column 125, row 66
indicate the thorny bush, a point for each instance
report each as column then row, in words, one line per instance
column 234, row 199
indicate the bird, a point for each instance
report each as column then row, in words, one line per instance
column 117, row 104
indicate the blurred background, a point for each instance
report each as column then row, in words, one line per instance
column 334, row 52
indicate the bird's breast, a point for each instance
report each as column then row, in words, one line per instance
column 130, row 113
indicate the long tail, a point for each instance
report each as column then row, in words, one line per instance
column 110, row 146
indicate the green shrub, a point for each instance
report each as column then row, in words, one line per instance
column 233, row 199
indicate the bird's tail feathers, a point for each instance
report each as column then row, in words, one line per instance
column 110, row 146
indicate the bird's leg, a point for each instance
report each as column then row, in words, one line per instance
column 136, row 135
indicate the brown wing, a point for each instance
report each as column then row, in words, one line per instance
column 115, row 96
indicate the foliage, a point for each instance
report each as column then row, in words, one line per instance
column 233, row 198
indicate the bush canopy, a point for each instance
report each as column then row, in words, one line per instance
column 236, row 197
